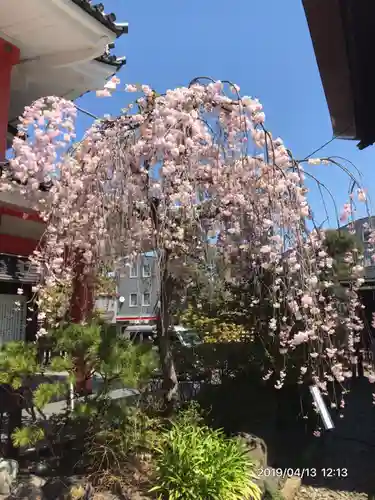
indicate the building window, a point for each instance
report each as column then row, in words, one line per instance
column 134, row 270
column 146, row 299
column 366, row 232
column 367, row 259
column 367, row 262
column 133, row 300
column 146, row 270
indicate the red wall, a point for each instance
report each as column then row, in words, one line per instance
column 9, row 56
column 16, row 245
column 20, row 214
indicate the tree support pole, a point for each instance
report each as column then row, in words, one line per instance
column 81, row 311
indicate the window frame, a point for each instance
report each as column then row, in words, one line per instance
column 130, row 299
column 143, row 299
column 133, row 267
column 366, row 231
column 144, row 275
column 367, row 260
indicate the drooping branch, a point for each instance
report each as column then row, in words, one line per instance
column 164, row 177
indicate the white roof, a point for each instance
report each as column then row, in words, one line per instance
column 59, row 41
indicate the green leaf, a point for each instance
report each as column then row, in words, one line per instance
column 60, row 364
column 27, row 436
column 46, row 391
column 5, row 377
column 83, row 410
column 195, row 461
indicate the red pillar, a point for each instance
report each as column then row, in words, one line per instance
column 9, row 57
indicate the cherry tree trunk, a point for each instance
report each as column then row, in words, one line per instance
column 81, row 311
column 170, row 380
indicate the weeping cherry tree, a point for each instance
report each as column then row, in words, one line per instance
column 172, row 173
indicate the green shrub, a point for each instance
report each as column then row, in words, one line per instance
column 273, row 495
column 117, row 362
column 118, row 440
column 194, row 461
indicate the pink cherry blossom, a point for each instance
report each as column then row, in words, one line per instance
column 162, row 179
column 103, row 93
column 361, row 194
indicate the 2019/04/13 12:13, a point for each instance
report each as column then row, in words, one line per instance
column 328, row 472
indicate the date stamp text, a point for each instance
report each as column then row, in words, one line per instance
column 303, row 472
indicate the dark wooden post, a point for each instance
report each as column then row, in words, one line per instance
column 81, row 311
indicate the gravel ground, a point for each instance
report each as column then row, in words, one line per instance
column 310, row 493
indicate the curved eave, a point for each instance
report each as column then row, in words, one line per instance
column 57, row 32
column 69, row 82
column 343, row 34
column 97, row 12
column 101, row 68
column 116, row 62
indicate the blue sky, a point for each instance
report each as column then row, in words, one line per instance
column 263, row 46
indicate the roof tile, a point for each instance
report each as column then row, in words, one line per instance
column 97, row 11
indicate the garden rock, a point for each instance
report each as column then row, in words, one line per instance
column 272, row 482
column 291, row 487
column 269, row 483
column 67, row 488
column 256, row 448
column 8, row 474
column 28, row 488
column 26, row 492
column 37, row 481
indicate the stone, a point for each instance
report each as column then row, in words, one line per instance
column 268, row 481
column 291, row 487
column 68, row 488
column 5, row 483
column 27, row 492
column 56, row 488
column 37, row 481
column 8, row 474
column 41, row 468
column 256, row 448
column 29, row 488
column 272, row 482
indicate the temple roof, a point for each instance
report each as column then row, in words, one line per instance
column 111, row 59
column 97, row 11
column 65, row 49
